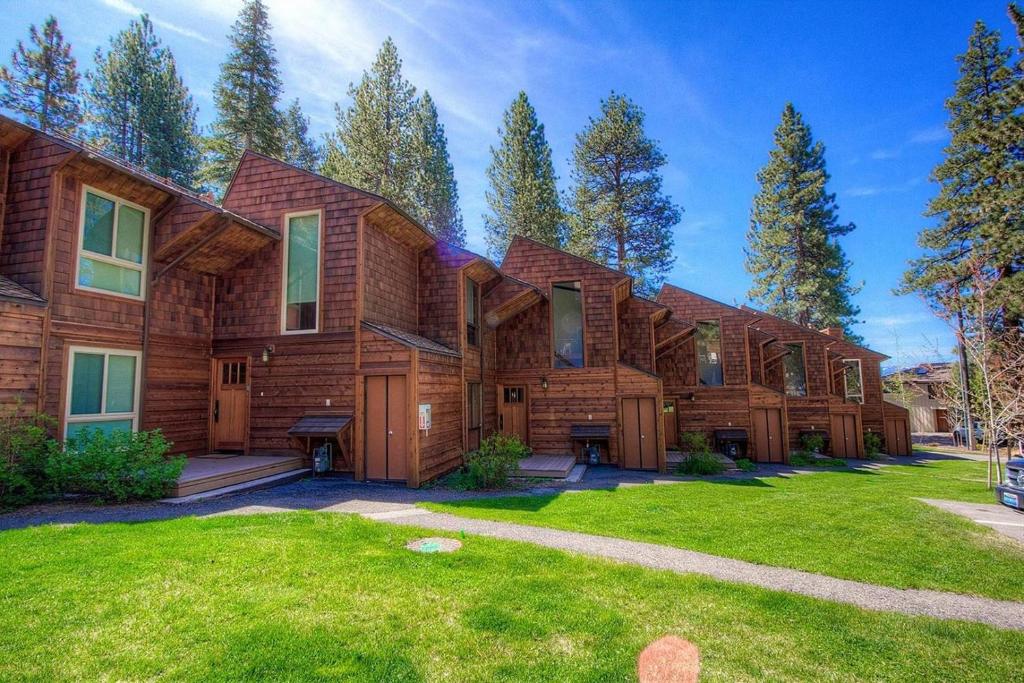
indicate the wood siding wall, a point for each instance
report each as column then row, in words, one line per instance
column 21, row 338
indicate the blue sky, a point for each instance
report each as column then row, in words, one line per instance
column 869, row 77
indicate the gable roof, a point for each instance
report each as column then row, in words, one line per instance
column 411, row 339
column 12, row 291
column 813, row 331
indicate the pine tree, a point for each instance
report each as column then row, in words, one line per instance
column 523, row 197
column 372, row 145
column 800, row 271
column 435, row 191
column 42, row 82
column 620, row 215
column 299, row 148
column 246, row 95
column 138, row 107
column 979, row 236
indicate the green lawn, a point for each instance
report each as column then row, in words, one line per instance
column 862, row 525
column 308, row 596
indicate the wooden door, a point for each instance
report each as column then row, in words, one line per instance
column 844, row 436
column 941, row 420
column 668, row 411
column 639, row 434
column 513, row 417
column 230, row 410
column 387, row 427
column 896, row 436
column 768, row 434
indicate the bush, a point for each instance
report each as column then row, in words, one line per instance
column 695, row 442
column 805, row 459
column 745, row 465
column 114, row 467
column 701, row 465
column 490, row 466
column 24, row 445
column 872, row 444
column 813, row 443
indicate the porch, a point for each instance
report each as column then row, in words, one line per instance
column 216, row 471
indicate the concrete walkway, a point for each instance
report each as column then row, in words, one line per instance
column 1003, row 519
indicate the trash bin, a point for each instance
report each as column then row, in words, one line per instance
column 732, row 443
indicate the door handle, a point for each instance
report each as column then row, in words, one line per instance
column 216, row 410
column 390, row 433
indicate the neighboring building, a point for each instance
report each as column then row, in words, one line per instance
column 924, row 388
column 304, row 311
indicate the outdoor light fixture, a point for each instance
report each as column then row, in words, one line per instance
column 544, row 383
column 267, row 350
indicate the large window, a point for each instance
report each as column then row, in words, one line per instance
column 709, row 353
column 112, row 245
column 567, row 307
column 302, row 272
column 472, row 312
column 854, row 380
column 796, row 373
column 474, row 415
column 103, row 390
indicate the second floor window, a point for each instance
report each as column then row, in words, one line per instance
column 796, row 374
column 112, row 245
column 567, row 314
column 709, row 354
column 301, row 273
column 854, row 380
column 472, row 312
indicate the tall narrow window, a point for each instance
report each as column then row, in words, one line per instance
column 709, row 353
column 472, row 312
column 796, row 374
column 102, row 391
column 567, row 307
column 112, row 245
column 302, row 273
column 474, row 415
column 854, row 380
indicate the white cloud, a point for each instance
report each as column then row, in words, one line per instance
column 128, row 8
column 884, row 154
column 929, row 135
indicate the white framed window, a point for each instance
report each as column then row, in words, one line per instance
column 854, row 380
column 102, row 390
column 113, row 235
column 300, row 267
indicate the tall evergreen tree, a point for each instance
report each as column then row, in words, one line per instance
column 42, row 81
column 436, row 193
column 523, row 197
column 800, row 271
column 620, row 216
column 138, row 107
column 246, row 95
column 979, row 234
column 299, row 148
column 372, row 145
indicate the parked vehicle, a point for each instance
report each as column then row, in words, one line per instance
column 960, row 434
column 1011, row 493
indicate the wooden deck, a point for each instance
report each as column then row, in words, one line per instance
column 206, row 473
column 552, row 466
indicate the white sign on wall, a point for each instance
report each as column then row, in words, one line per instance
column 424, row 416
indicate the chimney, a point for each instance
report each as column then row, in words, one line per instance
column 836, row 332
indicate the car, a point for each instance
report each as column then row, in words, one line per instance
column 960, row 434
column 1011, row 494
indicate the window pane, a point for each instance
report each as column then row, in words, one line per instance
column 709, row 353
column 105, row 426
column 120, row 384
column 471, row 307
column 130, row 224
column 87, row 384
column 567, row 302
column 98, row 233
column 853, row 380
column 102, row 275
column 303, row 263
column 793, row 364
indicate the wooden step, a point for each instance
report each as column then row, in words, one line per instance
column 205, row 474
column 549, row 466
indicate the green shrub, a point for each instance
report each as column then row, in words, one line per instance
column 490, row 466
column 813, row 443
column 745, row 465
column 701, row 465
column 695, row 442
column 872, row 444
column 114, row 467
column 24, row 446
column 804, row 459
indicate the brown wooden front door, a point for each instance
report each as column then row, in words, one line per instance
column 941, row 420
column 668, row 411
column 768, row 440
column 387, row 427
column 513, row 417
column 844, row 436
column 639, row 434
column 230, row 409
column 896, row 436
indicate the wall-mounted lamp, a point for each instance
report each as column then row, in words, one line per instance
column 267, row 350
column 544, row 383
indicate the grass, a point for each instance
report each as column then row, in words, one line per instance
column 861, row 525
column 318, row 596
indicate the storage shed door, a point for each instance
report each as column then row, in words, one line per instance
column 639, row 434
column 768, row 434
column 844, row 436
column 896, row 436
column 387, row 424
